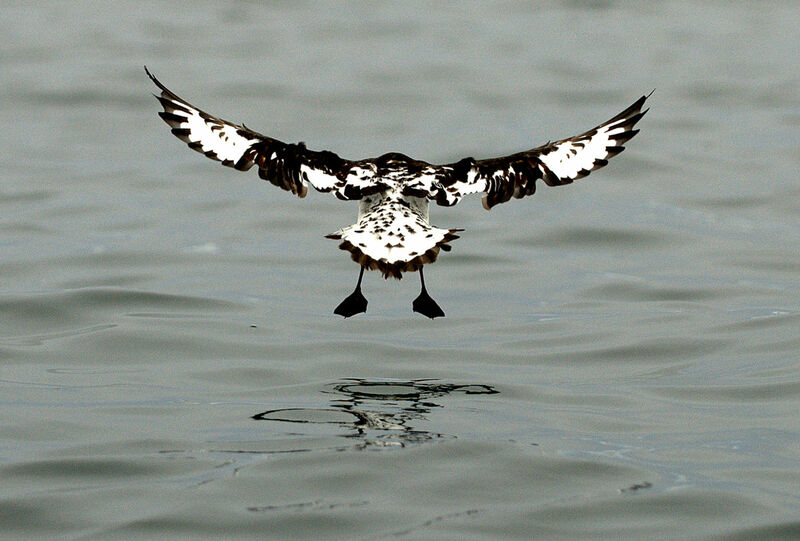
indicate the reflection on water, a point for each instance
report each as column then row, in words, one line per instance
column 378, row 413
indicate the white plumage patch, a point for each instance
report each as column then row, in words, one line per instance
column 424, row 183
column 393, row 234
column 362, row 177
column 216, row 140
column 573, row 158
column 204, row 133
column 320, row 179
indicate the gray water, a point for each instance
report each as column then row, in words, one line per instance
column 619, row 358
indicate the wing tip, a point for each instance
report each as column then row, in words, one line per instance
column 153, row 78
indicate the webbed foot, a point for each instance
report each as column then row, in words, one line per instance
column 426, row 306
column 355, row 303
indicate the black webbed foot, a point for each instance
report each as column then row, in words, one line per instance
column 355, row 303
column 424, row 304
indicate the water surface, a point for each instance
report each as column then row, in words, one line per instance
column 619, row 357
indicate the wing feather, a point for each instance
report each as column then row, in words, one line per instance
column 289, row 166
column 555, row 163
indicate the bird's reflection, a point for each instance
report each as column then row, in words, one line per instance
column 378, row 413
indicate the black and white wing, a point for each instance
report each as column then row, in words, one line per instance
column 288, row 166
column 556, row 164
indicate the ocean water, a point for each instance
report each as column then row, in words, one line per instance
column 619, row 357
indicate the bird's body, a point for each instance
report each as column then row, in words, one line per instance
column 392, row 233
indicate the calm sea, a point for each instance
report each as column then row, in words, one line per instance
column 620, row 357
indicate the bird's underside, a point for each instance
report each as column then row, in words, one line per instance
column 392, row 233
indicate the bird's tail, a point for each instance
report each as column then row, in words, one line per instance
column 393, row 239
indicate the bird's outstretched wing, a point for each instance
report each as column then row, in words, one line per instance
column 288, row 166
column 556, row 164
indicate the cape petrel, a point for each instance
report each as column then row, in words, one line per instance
column 393, row 234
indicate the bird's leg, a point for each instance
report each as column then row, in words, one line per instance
column 424, row 304
column 355, row 303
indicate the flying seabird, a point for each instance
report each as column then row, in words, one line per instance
column 393, row 234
